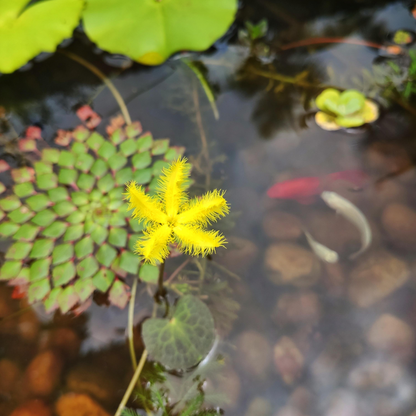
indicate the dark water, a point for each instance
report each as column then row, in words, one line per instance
column 340, row 339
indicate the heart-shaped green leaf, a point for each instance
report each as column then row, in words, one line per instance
column 183, row 340
column 166, row 26
column 40, row 27
column 328, row 100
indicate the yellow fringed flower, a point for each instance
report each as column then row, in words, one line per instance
column 169, row 216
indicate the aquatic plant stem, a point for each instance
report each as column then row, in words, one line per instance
column 132, row 384
column 320, row 41
column 105, row 79
column 205, row 86
column 161, row 291
column 131, row 323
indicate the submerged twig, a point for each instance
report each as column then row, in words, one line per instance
column 105, row 79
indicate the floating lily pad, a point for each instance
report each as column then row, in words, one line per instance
column 183, row 340
column 40, row 27
column 165, row 27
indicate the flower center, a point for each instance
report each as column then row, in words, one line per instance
column 172, row 221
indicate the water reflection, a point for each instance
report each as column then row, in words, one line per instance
column 310, row 338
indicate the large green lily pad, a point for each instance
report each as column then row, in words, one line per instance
column 149, row 31
column 26, row 31
column 183, row 340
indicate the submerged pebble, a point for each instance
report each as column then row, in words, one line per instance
column 375, row 277
column 281, row 226
column 72, row 404
column 393, row 336
column 288, row 360
column 291, row 264
column 43, row 373
column 34, row 408
column 297, row 308
column 254, row 354
column 399, row 222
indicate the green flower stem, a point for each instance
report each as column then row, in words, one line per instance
column 131, row 323
column 205, row 86
column 132, row 384
column 106, row 81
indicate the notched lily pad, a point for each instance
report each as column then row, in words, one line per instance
column 183, row 340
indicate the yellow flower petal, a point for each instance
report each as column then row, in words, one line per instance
column 205, row 210
column 171, row 186
column 153, row 247
column 195, row 241
column 146, row 208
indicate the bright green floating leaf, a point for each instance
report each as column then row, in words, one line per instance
column 41, row 248
column 38, row 202
column 50, row 156
column 350, row 101
column 160, row 147
column 79, row 148
column 158, row 167
column 95, row 141
column 106, row 183
column 134, row 129
column 42, row 168
column 145, row 142
column 67, row 176
column 8, row 228
column 27, row 232
column 64, row 208
column 84, row 289
column 47, row 180
column 184, row 340
column 149, row 273
column 74, row 232
column 55, row 230
column 118, row 136
column 123, row 176
column 99, row 234
column 119, row 294
column 10, row 270
column 142, row 176
column 129, row 262
column 86, row 181
column 174, row 152
column 328, row 100
column 66, row 159
column 63, row 273
column 51, row 302
column 22, row 174
column 84, row 247
column 39, row 269
column 76, row 217
column 103, row 279
column 24, row 189
column 44, row 218
column 79, row 198
column 87, row 268
column 165, row 27
column 18, row 250
column 128, row 147
column 117, row 161
column 62, row 253
column 38, row 290
column 10, row 203
column 58, row 194
column 84, row 162
column 118, row 237
column 133, row 241
column 141, row 160
column 107, row 150
column 27, row 31
column 106, row 255
column 99, row 168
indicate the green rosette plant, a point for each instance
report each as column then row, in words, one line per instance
column 344, row 109
column 68, row 225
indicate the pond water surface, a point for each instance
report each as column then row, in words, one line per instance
column 296, row 335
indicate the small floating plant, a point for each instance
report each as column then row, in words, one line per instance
column 344, row 110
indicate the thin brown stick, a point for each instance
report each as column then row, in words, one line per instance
column 106, row 81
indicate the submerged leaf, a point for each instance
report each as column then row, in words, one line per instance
column 184, row 340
